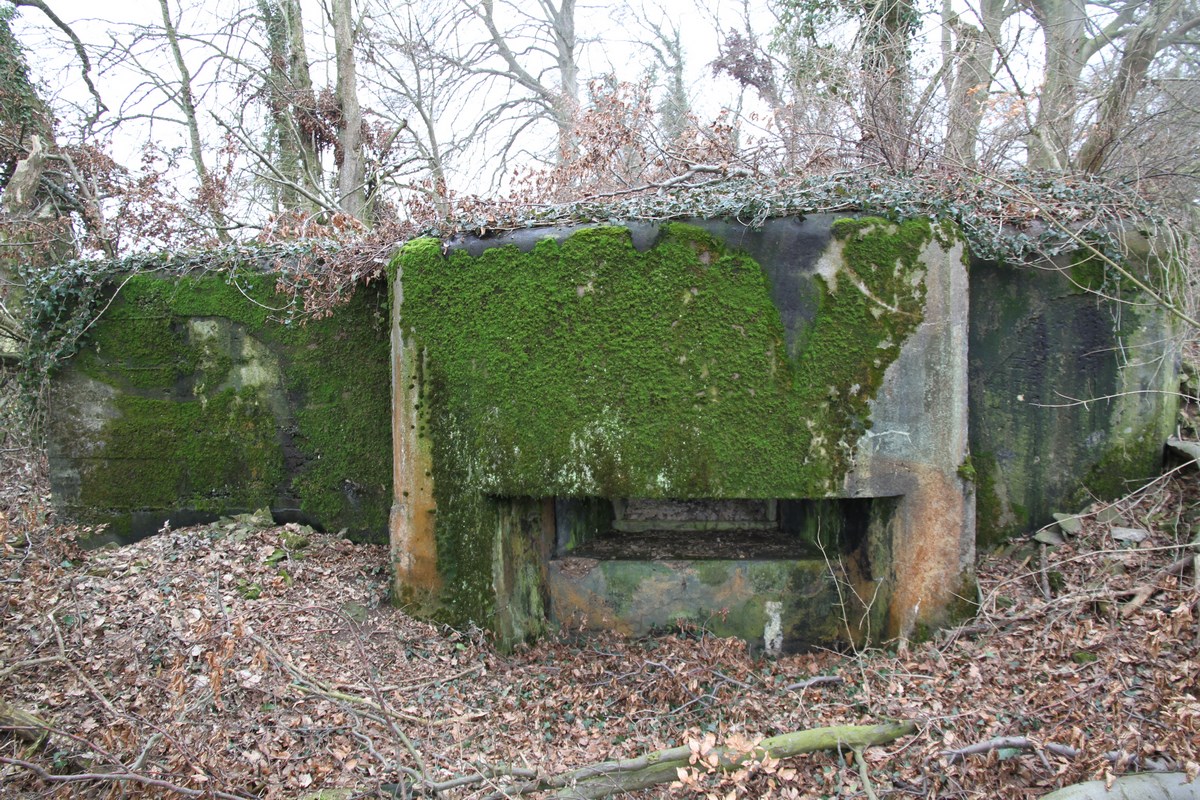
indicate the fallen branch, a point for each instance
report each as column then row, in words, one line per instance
column 662, row 766
column 1013, row 743
column 1043, row 575
column 33, row 662
column 816, row 680
column 119, row 777
column 1180, row 566
column 1140, row 597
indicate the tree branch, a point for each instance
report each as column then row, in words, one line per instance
column 83, row 56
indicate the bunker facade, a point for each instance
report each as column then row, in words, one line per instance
column 771, row 432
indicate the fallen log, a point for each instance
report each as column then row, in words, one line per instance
column 662, row 766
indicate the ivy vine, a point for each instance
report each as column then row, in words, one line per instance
column 1019, row 218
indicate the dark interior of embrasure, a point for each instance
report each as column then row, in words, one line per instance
column 709, row 529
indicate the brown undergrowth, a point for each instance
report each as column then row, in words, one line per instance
column 243, row 659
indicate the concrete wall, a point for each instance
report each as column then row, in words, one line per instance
column 191, row 399
column 1073, row 393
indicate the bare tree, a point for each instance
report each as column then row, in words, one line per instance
column 1141, row 45
column 537, row 56
column 419, row 91
column 211, row 193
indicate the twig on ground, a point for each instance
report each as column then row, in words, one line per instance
column 864, row 774
column 717, row 673
column 62, row 652
column 408, row 687
column 816, row 680
column 1010, row 742
column 119, row 777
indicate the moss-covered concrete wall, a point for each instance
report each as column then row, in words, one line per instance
column 505, row 392
column 669, row 361
column 193, row 397
column 1073, row 392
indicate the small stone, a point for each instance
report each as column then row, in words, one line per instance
column 1109, row 515
column 1129, row 534
column 1069, row 524
column 1049, row 536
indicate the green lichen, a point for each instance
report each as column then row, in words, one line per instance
column 1125, row 464
column 587, row 368
column 994, row 523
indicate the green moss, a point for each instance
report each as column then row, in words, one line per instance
column 587, row 368
column 162, row 453
column 339, row 368
column 224, row 404
column 625, row 578
column 1093, row 273
column 966, row 470
column 712, row 573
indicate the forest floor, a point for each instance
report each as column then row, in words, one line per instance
column 243, row 659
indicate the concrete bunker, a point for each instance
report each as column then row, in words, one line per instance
column 766, row 431
column 758, row 431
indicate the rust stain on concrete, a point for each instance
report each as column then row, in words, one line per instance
column 412, row 521
column 929, row 565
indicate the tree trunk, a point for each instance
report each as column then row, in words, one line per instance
column 562, row 21
column 301, row 86
column 292, row 106
column 1063, row 24
column 975, row 53
column 352, row 195
column 1140, row 48
column 210, row 196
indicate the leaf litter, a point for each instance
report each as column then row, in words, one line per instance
column 246, row 659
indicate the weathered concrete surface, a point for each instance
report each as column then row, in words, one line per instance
column 411, row 523
column 915, row 451
column 1071, row 392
